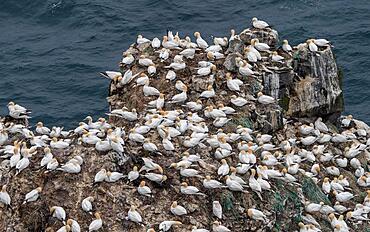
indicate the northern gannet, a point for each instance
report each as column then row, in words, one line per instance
column 262, row 47
column 23, row 163
column 178, row 98
column 144, row 190
column 265, row 99
column 128, row 59
column 152, row 70
column 212, row 184
column 234, row 185
column 326, row 186
column 158, row 178
column 32, row 195
column 86, row 204
column 17, row 111
column 188, row 53
column 244, row 68
column 75, row 227
column 97, row 223
column 177, row 65
column 166, row 225
column 209, row 93
column 232, row 35
column 113, row 176
column 150, row 91
column 253, row 183
column 58, row 144
column 276, row 57
column 103, row 145
column 190, row 190
column 149, row 146
column 133, row 174
column 171, row 75
column 221, row 41
column 204, row 71
column 170, row 44
column 100, row 176
column 143, row 61
column 189, row 172
column 52, row 165
column 200, row 41
column 311, row 45
column 4, row 196
column 65, row 228
column 112, row 75
column 256, row 215
column 319, row 125
column 58, row 212
column 286, row 47
column 164, row 54
column 224, row 169
column 214, row 48
column 133, row 215
column 16, row 157
column 125, row 114
column 41, row 129
column 142, row 79
column 217, row 227
column 259, row 24
column 321, row 42
column 178, row 210
column 238, row 101
column 195, row 229
column 343, row 196
column 156, row 43
column 217, row 209
column 250, row 55
column 140, row 40
column 233, row 84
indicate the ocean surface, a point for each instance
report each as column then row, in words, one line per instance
column 51, row 51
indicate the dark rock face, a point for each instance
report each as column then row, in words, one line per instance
column 230, row 62
column 318, row 93
column 278, row 85
column 311, row 89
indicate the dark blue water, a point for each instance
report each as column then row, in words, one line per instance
column 52, row 50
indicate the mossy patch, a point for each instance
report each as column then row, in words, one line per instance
column 227, row 201
column 332, row 127
column 243, row 121
column 286, row 199
column 296, row 55
column 313, row 192
column 255, row 87
column 284, row 102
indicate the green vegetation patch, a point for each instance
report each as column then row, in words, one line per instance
column 313, row 192
column 227, row 201
column 287, row 206
column 284, row 102
column 245, row 122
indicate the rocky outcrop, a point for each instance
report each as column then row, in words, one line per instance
column 306, row 85
column 317, row 90
column 311, row 88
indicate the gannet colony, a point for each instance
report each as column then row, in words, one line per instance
column 245, row 134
